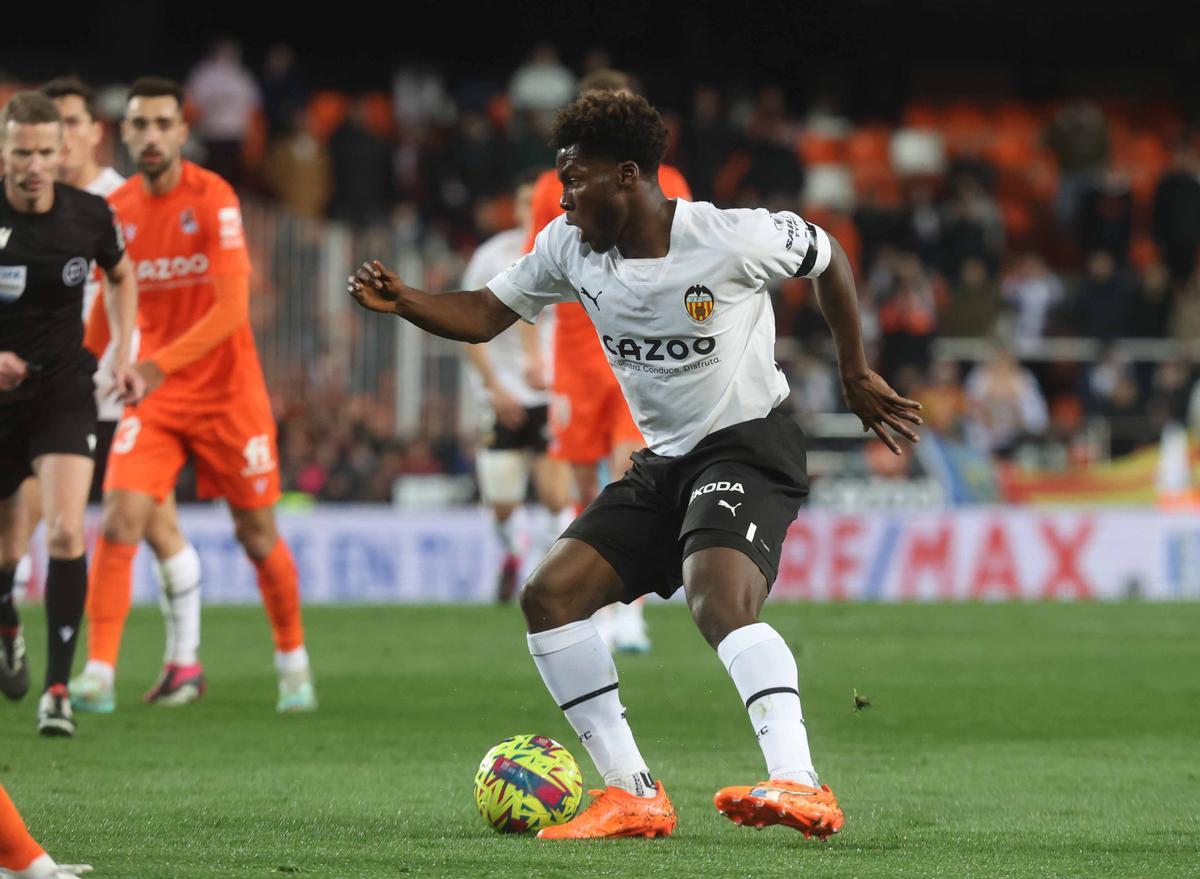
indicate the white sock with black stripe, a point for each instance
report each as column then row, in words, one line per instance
column 580, row 675
column 764, row 672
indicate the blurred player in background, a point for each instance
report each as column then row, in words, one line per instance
column 590, row 422
column 511, row 373
column 178, row 567
column 209, row 400
column 50, row 233
column 20, row 855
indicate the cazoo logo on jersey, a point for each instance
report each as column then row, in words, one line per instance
column 167, row 268
column 658, row 349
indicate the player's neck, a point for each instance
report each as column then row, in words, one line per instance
column 85, row 176
column 164, row 182
column 23, row 204
column 647, row 233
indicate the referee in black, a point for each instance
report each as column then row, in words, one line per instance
column 50, row 233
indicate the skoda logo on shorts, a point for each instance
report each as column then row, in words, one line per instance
column 75, row 271
column 698, row 300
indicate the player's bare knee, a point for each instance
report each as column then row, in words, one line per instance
column 256, row 533
column 721, row 603
column 549, row 601
column 64, row 539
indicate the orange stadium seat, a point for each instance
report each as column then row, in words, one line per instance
column 818, row 149
column 380, row 119
column 868, row 146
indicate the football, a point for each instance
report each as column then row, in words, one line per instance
column 526, row 783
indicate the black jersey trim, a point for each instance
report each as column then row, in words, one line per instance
column 592, row 695
column 770, row 692
column 810, row 258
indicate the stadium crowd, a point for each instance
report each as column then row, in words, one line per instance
column 1008, row 222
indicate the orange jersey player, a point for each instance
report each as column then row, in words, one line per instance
column 209, row 401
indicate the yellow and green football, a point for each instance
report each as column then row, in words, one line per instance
column 526, row 783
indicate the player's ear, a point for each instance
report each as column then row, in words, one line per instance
column 628, row 173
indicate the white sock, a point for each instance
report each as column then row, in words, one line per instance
column 629, row 622
column 580, row 675
column 508, row 531
column 179, row 598
column 21, row 579
column 764, row 672
column 41, row 867
column 291, row 662
column 100, row 670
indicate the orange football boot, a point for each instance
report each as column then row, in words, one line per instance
column 811, row 810
column 616, row 812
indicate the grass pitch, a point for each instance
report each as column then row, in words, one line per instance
column 1002, row 741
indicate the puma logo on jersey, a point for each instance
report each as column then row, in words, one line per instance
column 5, row 234
column 732, row 509
column 65, row 633
column 584, row 291
column 717, row 486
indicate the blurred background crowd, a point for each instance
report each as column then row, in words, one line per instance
column 1026, row 258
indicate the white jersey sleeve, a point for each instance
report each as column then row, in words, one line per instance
column 540, row 277
column 779, row 245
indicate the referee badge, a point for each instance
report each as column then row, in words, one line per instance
column 698, row 300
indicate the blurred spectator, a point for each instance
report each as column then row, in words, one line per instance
column 1150, row 308
column 923, row 224
column 419, row 99
column 363, row 185
column 542, row 83
column 774, row 177
column 1005, row 405
column 943, row 400
column 907, row 314
column 1177, row 213
column 706, row 141
column 1078, row 135
column 973, row 304
column 1033, row 291
column 1105, row 218
column 972, row 227
column 1104, row 297
column 1170, row 391
column 299, row 169
column 225, row 97
column 284, row 91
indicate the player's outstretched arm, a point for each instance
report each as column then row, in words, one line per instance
column 122, row 317
column 867, row 394
column 465, row 315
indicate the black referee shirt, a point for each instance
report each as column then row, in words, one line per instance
column 44, row 262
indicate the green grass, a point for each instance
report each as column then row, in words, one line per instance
column 1003, row 741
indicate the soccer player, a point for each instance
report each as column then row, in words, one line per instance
column 184, row 230
column 687, row 323
column 590, row 422
column 515, row 432
column 20, row 855
column 50, row 233
column 178, row 567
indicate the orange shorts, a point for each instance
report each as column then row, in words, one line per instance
column 589, row 416
column 234, row 449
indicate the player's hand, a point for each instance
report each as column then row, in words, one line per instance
column 509, row 412
column 879, row 407
column 13, row 370
column 150, row 375
column 376, row 288
column 128, row 384
column 535, row 374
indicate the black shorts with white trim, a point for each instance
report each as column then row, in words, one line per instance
column 740, row 487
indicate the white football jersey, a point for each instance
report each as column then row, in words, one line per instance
column 108, row 407
column 690, row 336
column 506, row 352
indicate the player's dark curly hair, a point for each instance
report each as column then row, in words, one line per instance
column 620, row 127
